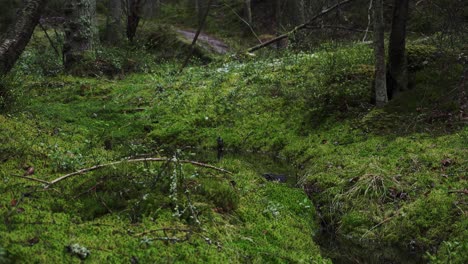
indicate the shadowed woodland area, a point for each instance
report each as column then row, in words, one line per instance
column 233, row 131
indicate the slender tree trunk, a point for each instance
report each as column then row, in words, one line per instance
column 248, row 11
column 114, row 30
column 133, row 18
column 200, row 6
column 80, row 30
column 379, row 51
column 19, row 35
column 398, row 68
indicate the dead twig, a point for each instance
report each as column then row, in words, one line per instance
column 174, row 229
column 32, row 179
column 100, row 166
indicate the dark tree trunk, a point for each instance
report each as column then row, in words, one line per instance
column 200, row 7
column 398, row 68
column 379, row 51
column 19, row 35
column 133, row 18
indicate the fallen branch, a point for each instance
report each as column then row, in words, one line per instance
column 464, row 191
column 173, row 229
column 302, row 26
column 100, row 166
column 339, row 27
column 32, row 179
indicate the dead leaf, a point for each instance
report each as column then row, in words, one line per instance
column 29, row 171
column 446, row 162
column 33, row 241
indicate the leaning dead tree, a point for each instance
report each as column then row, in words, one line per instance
column 297, row 28
column 19, row 34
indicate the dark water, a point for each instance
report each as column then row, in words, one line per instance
column 343, row 251
column 260, row 163
column 339, row 249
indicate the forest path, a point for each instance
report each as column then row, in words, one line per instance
column 213, row 43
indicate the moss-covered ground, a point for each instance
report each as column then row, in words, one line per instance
column 395, row 175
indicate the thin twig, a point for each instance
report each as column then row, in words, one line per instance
column 32, row 179
column 164, row 229
column 50, row 40
column 302, row 26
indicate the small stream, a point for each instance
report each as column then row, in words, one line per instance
column 339, row 249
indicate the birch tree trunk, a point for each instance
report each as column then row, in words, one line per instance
column 80, row 30
column 398, row 65
column 19, row 34
column 379, row 51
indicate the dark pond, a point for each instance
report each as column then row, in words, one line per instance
column 339, row 249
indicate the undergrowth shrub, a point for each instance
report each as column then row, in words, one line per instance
column 420, row 55
column 221, row 194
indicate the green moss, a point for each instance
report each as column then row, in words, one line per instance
column 381, row 175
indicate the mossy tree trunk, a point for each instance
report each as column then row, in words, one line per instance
column 398, row 65
column 379, row 52
column 80, row 30
column 114, row 29
column 19, row 34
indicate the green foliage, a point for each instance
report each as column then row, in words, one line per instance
column 420, row 55
column 221, row 194
column 4, row 256
column 417, row 219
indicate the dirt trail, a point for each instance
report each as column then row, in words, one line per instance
column 214, row 44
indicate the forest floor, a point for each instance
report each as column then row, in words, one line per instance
column 393, row 176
